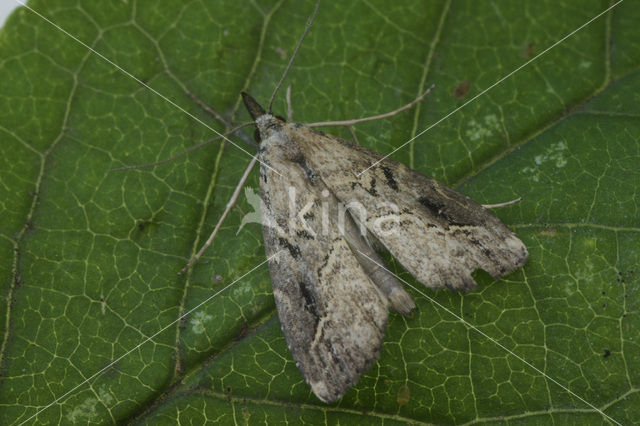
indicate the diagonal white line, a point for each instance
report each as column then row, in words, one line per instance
column 128, row 74
column 491, row 87
column 97, row 373
column 474, row 328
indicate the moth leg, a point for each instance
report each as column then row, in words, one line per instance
column 353, row 134
column 374, row 117
column 227, row 209
column 505, row 204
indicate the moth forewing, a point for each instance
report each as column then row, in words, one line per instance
column 331, row 288
column 440, row 236
column 332, row 315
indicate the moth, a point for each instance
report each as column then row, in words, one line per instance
column 332, row 289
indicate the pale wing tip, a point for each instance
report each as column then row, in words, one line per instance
column 519, row 252
column 324, row 393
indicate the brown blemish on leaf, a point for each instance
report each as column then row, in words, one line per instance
column 462, row 89
column 529, row 50
column 549, row 232
column 404, row 395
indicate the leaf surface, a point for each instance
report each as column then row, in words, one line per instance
column 89, row 256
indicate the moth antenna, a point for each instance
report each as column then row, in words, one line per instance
column 293, row 56
column 185, row 152
column 505, row 204
column 353, row 134
column 289, row 106
column 373, row 117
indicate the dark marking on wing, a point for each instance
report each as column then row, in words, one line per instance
column 264, row 196
column 470, row 236
column 311, row 175
column 294, row 250
column 438, row 210
column 304, row 234
column 308, row 171
column 310, row 303
column 388, row 174
column 473, row 240
column 325, row 261
column 372, row 188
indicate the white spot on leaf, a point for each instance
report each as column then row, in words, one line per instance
column 555, row 153
column 86, row 411
column 198, row 322
column 477, row 131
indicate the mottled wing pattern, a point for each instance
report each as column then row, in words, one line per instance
column 439, row 235
column 333, row 317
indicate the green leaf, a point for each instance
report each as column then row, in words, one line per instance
column 89, row 256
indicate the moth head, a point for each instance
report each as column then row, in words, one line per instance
column 266, row 124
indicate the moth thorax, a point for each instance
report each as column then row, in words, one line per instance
column 268, row 125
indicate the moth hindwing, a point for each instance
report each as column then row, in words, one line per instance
column 332, row 290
